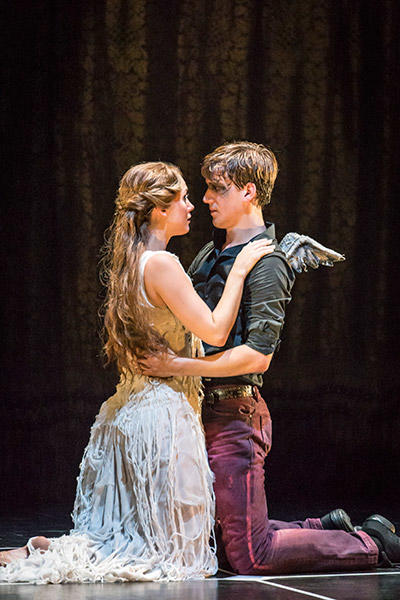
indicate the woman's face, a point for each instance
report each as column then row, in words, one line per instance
column 179, row 213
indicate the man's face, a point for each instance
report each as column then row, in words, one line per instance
column 225, row 202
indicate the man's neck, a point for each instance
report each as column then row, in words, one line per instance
column 243, row 233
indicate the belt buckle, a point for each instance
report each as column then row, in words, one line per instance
column 212, row 397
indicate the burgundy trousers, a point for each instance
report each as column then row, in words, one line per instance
column 238, row 438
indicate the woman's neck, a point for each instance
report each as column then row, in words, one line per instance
column 157, row 240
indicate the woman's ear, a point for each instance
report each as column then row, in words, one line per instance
column 155, row 217
column 158, row 213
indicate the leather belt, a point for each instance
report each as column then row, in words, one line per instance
column 216, row 394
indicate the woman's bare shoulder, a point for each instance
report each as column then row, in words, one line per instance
column 161, row 263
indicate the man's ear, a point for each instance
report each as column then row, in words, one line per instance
column 250, row 192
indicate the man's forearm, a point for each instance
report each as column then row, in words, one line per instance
column 236, row 361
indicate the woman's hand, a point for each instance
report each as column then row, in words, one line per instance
column 158, row 365
column 168, row 281
column 250, row 255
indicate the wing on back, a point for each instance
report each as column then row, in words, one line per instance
column 303, row 251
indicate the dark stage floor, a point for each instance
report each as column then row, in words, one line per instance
column 382, row 584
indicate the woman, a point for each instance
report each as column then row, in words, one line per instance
column 144, row 502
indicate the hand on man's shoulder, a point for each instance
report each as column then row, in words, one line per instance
column 272, row 267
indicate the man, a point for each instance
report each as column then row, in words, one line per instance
column 240, row 178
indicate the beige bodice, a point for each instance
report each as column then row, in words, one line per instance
column 181, row 341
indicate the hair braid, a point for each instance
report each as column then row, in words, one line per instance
column 128, row 332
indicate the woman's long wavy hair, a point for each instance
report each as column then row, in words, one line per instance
column 128, row 332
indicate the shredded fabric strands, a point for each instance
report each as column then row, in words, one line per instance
column 144, row 504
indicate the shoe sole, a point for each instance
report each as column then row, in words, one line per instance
column 347, row 524
column 342, row 519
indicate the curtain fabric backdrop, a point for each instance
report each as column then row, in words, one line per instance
column 94, row 87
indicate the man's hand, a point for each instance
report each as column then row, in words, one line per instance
column 159, row 365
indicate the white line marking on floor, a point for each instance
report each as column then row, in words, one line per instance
column 291, row 589
column 245, row 578
column 225, row 571
column 321, row 575
column 262, row 578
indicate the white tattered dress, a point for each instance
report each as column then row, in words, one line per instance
column 144, row 504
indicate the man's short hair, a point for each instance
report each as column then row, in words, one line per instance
column 242, row 163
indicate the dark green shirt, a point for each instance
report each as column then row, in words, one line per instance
column 265, row 295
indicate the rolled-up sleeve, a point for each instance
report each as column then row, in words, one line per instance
column 266, row 294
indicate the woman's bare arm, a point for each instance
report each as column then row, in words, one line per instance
column 167, row 284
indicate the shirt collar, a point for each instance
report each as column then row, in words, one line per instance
column 219, row 236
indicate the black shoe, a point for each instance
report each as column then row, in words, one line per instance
column 382, row 520
column 337, row 519
column 381, row 531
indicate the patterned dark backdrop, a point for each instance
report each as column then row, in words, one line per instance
column 95, row 86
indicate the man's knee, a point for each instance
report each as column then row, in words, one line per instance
column 242, row 562
column 247, row 555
